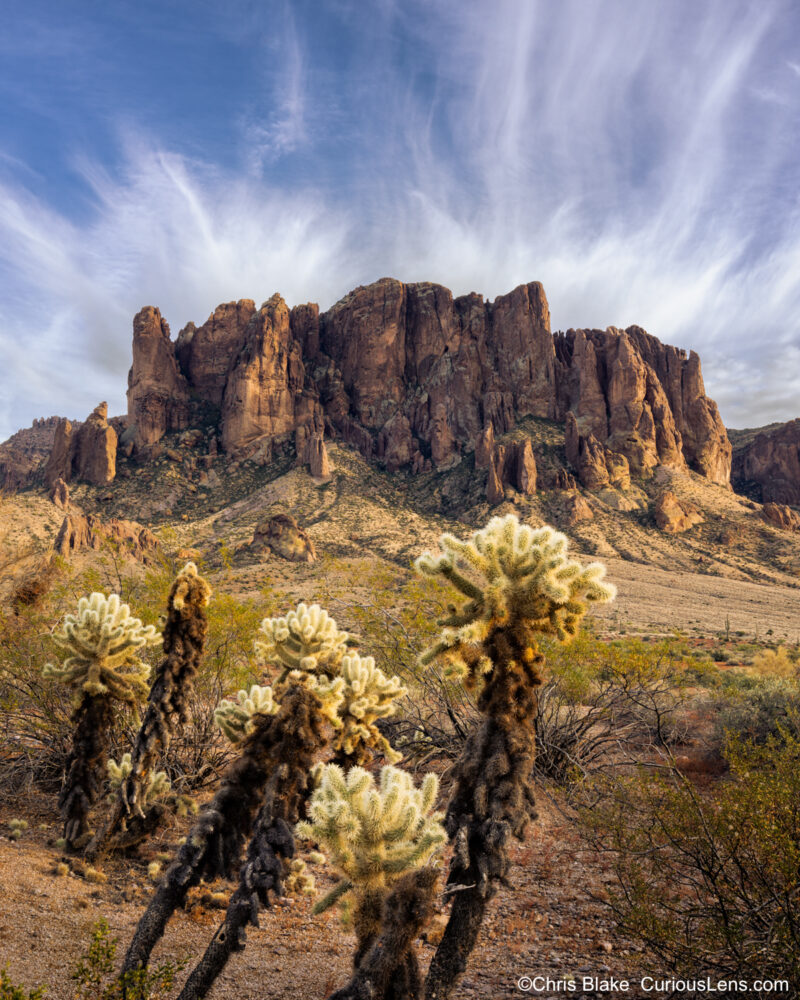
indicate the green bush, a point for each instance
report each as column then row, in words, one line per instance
column 768, row 709
column 710, row 882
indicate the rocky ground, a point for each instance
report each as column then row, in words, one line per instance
column 547, row 923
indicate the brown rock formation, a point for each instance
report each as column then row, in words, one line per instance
column 283, row 535
column 59, row 494
column 781, row 516
column 206, row 353
column 577, row 510
column 264, row 383
column 158, row 394
column 494, row 488
column 642, row 399
column 415, row 377
column 86, row 451
column 79, row 532
column 772, row 462
column 24, row 454
column 674, row 516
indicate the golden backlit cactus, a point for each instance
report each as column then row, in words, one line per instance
column 368, row 695
column 235, row 718
column 509, row 572
column 374, row 834
column 306, row 639
column 516, row 583
column 102, row 640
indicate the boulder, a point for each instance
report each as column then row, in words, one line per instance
column 59, row 494
column 577, row 510
column 674, row 516
column 282, row 534
column 781, row 516
column 79, row 532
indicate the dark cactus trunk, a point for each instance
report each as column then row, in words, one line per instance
column 92, row 721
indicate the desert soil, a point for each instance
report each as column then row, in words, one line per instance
column 546, row 924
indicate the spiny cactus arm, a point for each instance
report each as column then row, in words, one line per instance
column 215, row 842
column 184, row 639
column 237, row 718
column 268, row 867
column 304, row 639
column 332, row 897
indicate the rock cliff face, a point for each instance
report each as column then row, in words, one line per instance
column 86, row 451
column 22, row 455
column 417, row 378
column 634, row 397
column 771, row 461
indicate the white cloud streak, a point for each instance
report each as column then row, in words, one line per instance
column 638, row 159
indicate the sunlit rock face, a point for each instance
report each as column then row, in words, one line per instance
column 417, row 378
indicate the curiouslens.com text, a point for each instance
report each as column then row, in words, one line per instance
column 652, row 985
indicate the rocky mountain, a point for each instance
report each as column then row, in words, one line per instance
column 768, row 463
column 414, row 377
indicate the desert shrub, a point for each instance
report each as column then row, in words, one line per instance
column 603, row 705
column 775, row 663
column 710, row 881
column 766, row 710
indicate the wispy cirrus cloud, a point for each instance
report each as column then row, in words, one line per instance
column 638, row 159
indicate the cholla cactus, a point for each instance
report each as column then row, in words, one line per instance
column 299, row 881
column 369, row 695
column 509, row 572
column 373, row 834
column 167, row 706
column 155, row 787
column 307, row 639
column 235, row 718
column 102, row 639
column 518, row 583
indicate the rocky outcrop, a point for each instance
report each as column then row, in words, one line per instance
column 640, row 399
column 86, row 451
column 577, row 510
column 674, row 516
column 59, row 494
column 780, row 516
column 79, row 532
column 25, row 453
column 771, row 462
column 510, row 465
column 158, row 393
column 263, row 392
column 284, row 536
column 416, row 378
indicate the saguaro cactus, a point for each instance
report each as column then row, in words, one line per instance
column 378, row 836
column 167, row 706
column 102, row 641
column 515, row 582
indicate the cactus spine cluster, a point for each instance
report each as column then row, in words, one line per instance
column 516, row 583
column 102, row 642
column 236, row 719
column 184, row 640
column 374, row 833
column 377, row 835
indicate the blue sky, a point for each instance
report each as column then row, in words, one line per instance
column 639, row 157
